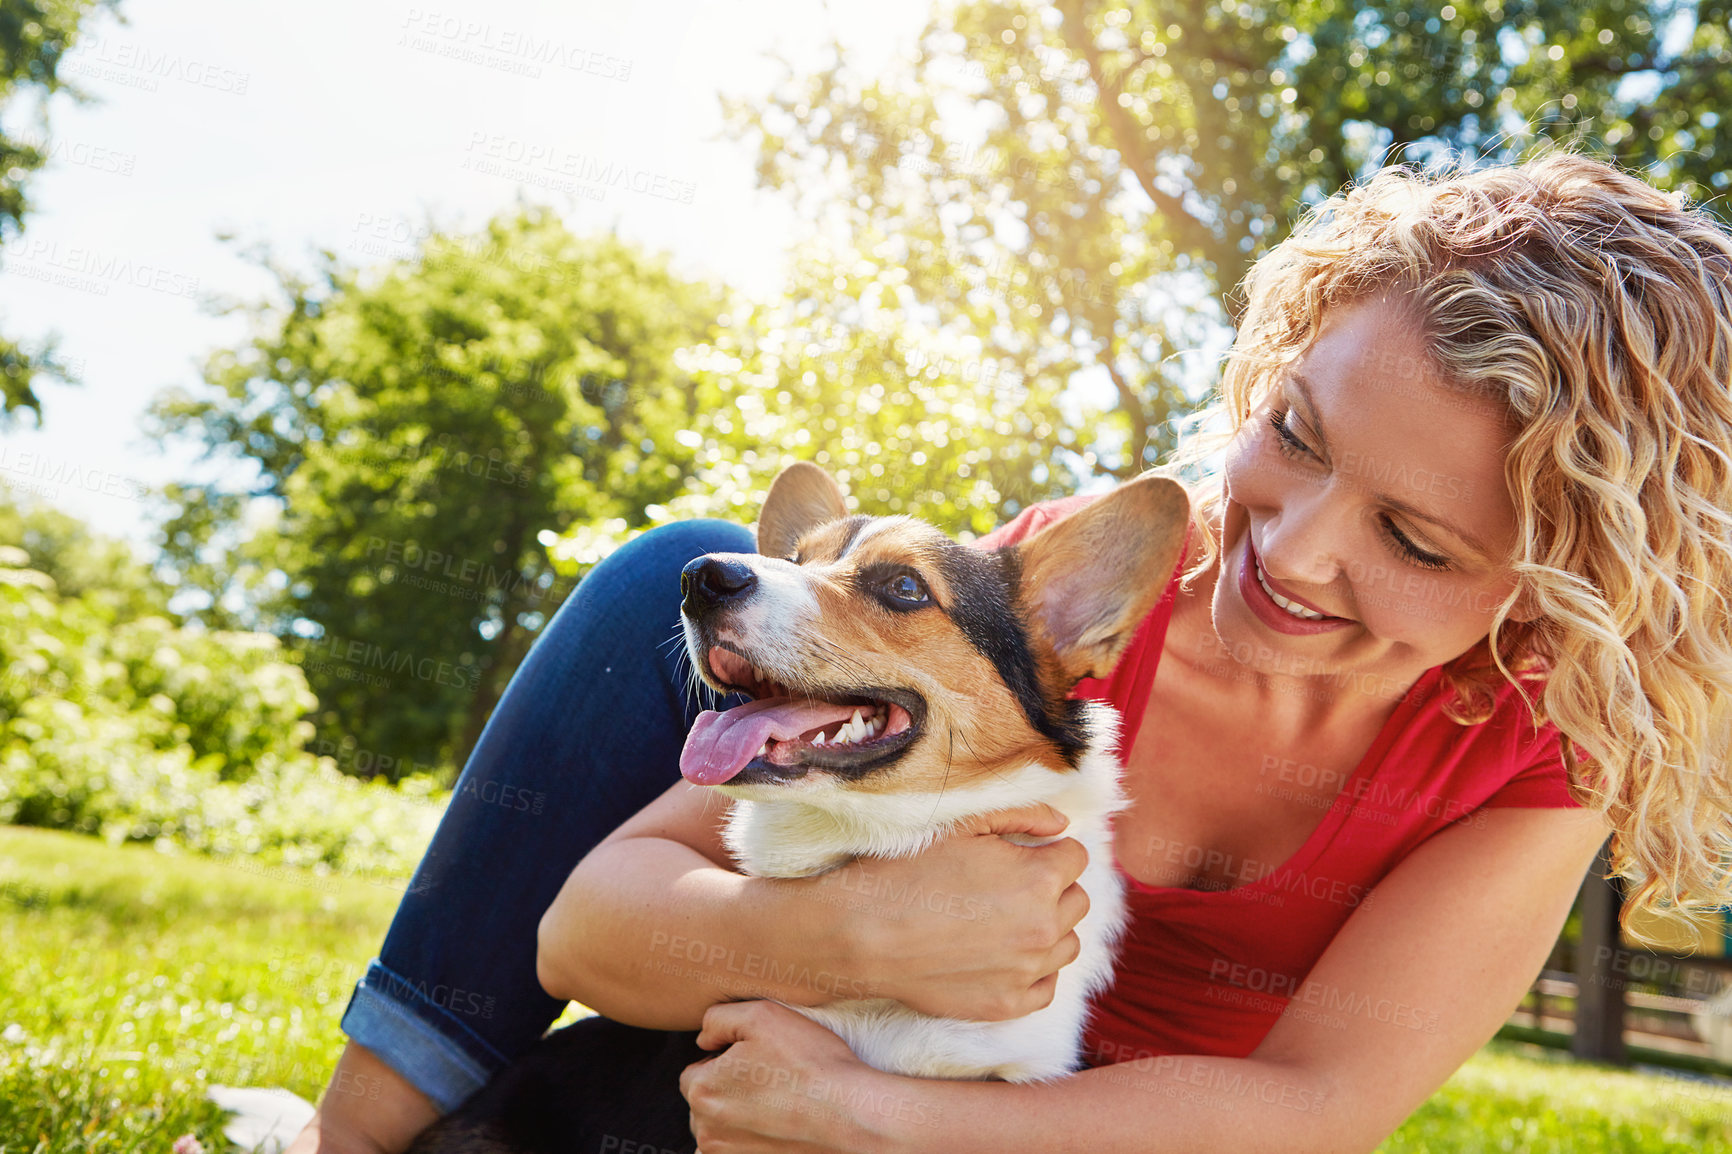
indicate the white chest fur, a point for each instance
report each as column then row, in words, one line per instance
column 798, row 836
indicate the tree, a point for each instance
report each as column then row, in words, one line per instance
column 909, row 419
column 34, row 37
column 415, row 430
column 103, row 574
column 1083, row 185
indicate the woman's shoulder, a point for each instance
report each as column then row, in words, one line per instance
column 1502, row 747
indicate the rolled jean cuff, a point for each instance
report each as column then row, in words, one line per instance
column 422, row 1041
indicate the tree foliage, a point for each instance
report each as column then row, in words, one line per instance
column 117, row 720
column 1023, row 248
column 415, row 430
column 1084, row 184
column 423, row 432
column 34, row 36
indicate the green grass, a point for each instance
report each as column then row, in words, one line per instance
column 1517, row 1097
column 132, row 980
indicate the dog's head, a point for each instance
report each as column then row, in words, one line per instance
column 884, row 657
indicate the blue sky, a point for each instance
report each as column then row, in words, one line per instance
column 344, row 126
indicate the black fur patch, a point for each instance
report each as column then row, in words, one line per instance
column 984, row 607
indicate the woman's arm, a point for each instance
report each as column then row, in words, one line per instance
column 1416, row 981
column 654, row 925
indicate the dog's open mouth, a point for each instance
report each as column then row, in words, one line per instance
column 781, row 735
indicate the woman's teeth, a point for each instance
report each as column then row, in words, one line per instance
column 1292, row 607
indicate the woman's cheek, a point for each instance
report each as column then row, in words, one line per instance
column 1400, row 602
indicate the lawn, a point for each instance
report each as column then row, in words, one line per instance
column 134, row 979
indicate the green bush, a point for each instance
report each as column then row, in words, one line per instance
column 143, row 730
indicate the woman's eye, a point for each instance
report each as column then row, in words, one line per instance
column 1413, row 552
column 907, row 587
column 1290, row 444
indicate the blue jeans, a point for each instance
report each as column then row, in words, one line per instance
column 588, row 732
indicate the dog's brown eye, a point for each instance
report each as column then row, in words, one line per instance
column 907, row 587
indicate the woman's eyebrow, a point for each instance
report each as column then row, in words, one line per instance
column 1302, row 387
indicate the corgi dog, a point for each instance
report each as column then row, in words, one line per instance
column 902, row 683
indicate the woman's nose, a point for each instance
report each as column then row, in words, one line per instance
column 1305, row 542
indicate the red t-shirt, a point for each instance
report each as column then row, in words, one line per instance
column 1209, row 971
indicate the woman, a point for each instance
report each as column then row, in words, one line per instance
column 1475, row 497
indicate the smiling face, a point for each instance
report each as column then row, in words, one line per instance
column 1368, row 526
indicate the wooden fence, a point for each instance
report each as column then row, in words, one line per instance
column 1597, row 991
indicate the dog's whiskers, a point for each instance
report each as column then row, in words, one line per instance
column 695, row 687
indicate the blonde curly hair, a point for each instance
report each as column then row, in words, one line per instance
column 1598, row 311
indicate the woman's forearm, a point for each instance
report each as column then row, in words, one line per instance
column 651, row 933
column 1164, row 1105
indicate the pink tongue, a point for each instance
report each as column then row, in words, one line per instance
column 720, row 744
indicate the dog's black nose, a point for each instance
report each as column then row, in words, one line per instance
column 708, row 582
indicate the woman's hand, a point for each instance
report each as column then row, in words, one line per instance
column 974, row 927
column 785, row 1083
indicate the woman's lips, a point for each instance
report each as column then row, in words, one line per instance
column 1267, row 611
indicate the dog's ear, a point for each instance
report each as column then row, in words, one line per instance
column 802, row 497
column 1089, row 579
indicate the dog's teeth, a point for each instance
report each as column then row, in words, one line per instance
column 819, row 740
column 763, row 749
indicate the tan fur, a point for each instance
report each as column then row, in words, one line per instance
column 975, row 728
column 802, row 495
column 1085, row 583
column 1079, row 615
